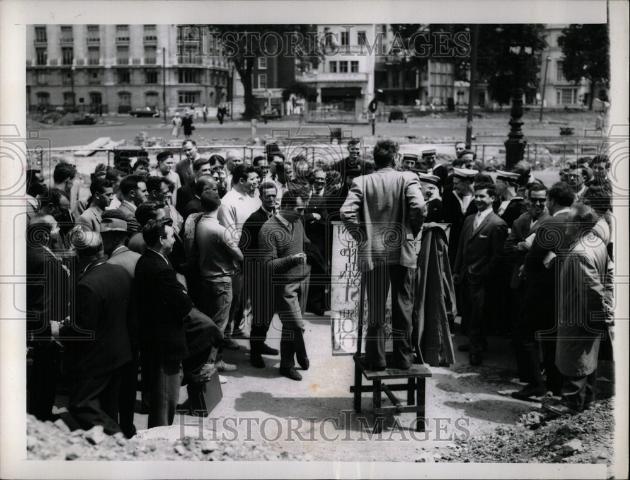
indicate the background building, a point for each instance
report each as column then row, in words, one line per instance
column 116, row 68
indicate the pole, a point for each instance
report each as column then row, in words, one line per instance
column 544, row 88
column 164, row 82
column 232, row 92
column 472, row 84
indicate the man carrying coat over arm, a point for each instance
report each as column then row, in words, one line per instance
column 384, row 212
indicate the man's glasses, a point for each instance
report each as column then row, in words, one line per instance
column 538, row 200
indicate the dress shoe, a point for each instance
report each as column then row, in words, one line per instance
column 402, row 365
column 291, row 373
column 225, row 367
column 267, row 350
column 475, row 359
column 528, row 392
column 304, row 363
column 257, row 361
column 230, row 344
column 373, row 367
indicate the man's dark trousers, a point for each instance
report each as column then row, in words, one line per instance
column 377, row 283
column 474, row 297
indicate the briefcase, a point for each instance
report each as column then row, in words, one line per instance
column 202, row 400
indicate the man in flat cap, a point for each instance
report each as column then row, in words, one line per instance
column 409, row 162
column 429, row 156
column 457, row 205
column 430, row 185
column 509, row 205
column 99, row 350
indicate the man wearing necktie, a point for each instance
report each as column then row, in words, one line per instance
column 478, row 254
column 253, row 273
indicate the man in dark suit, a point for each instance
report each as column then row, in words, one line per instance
column 282, row 241
column 47, row 291
column 352, row 166
column 509, row 204
column 384, row 212
column 478, row 254
column 98, row 347
column 430, row 185
column 254, row 274
column 187, row 192
column 202, row 184
column 517, row 244
column 163, row 306
column 457, row 204
column 541, row 264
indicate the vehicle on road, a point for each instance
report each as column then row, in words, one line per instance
column 86, row 120
column 397, row 114
column 145, row 112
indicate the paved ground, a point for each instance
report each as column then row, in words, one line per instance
column 492, row 127
column 315, row 416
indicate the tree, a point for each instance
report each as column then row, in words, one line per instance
column 244, row 44
column 501, row 67
column 586, row 55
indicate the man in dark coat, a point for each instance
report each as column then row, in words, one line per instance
column 457, row 204
column 163, row 306
column 47, row 291
column 541, row 264
column 430, row 185
column 517, row 245
column 98, row 348
column 187, row 192
column 351, row 167
column 254, row 274
column 509, row 204
column 478, row 254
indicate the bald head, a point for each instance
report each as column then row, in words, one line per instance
column 232, row 159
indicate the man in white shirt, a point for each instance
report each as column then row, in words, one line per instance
column 236, row 207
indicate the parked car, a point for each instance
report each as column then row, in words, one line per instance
column 145, row 112
column 397, row 114
column 86, row 120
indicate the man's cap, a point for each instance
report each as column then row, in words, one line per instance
column 465, row 173
column 428, row 178
column 428, row 152
column 410, row 156
column 507, row 176
column 113, row 225
column 82, row 238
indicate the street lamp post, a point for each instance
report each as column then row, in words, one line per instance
column 516, row 142
column 544, row 88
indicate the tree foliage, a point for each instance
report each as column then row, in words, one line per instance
column 244, row 44
column 586, row 49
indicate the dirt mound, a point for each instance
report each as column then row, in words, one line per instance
column 583, row 438
column 55, row 441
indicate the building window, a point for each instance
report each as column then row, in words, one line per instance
column 566, row 96
column 343, row 67
column 93, row 33
column 40, row 34
column 94, row 78
column 332, row 67
column 67, row 55
column 94, row 55
column 68, row 98
column 66, row 33
column 362, row 37
column 262, row 63
column 124, row 76
column 151, row 76
column 395, row 80
column 150, row 32
column 262, row 80
column 42, row 56
column 188, row 97
column 122, row 55
column 151, row 99
column 559, row 72
column 42, row 78
column 43, row 99
column 96, row 98
column 383, row 28
column 122, row 33
column 354, row 67
column 344, row 37
column 124, row 102
column 67, row 77
column 188, row 75
column 150, row 55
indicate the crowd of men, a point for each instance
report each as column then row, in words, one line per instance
column 159, row 271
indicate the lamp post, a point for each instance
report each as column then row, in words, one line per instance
column 515, row 144
column 544, row 88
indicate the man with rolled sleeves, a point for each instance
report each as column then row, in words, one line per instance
column 384, row 212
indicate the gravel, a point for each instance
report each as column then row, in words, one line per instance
column 583, row 438
column 54, row 441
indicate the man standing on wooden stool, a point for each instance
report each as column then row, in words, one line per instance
column 384, row 212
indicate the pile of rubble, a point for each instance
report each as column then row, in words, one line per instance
column 55, row 441
column 583, row 438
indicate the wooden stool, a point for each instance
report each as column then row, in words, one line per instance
column 415, row 387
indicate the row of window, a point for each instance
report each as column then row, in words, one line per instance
column 124, row 98
column 342, row 66
column 344, row 37
column 123, row 76
column 93, row 32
